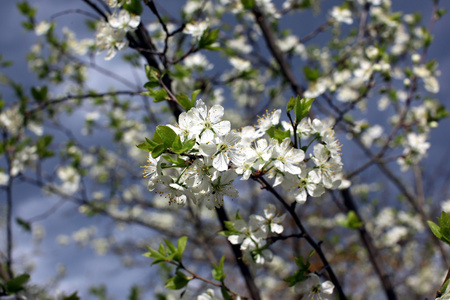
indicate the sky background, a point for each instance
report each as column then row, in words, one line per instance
column 85, row 268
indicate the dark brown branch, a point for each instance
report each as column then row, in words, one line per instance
column 97, row 9
column 50, row 102
column 315, row 32
column 375, row 259
column 251, row 286
column 276, row 52
column 9, row 204
column 304, row 232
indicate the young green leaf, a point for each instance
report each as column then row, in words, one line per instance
column 184, row 101
column 24, row 224
column 435, row 229
column 177, row 282
column 217, row 271
column 39, row 93
column 176, row 145
column 352, row 221
column 225, row 294
column 248, row 4
column 302, row 108
column 278, row 134
column 152, row 74
column 208, row 38
column 444, row 224
column 156, row 255
column 158, row 150
column 17, row 284
column 182, row 241
column 133, row 7
column 166, row 134
column 194, row 96
column 158, row 95
column 188, row 145
column 311, row 74
column 291, row 104
column 147, row 145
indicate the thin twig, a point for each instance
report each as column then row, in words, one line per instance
column 374, row 257
column 304, row 232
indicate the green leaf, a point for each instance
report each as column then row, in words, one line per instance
column 444, row 286
column 26, row 9
column 158, row 150
column 194, row 96
column 435, row 229
column 278, row 134
column 184, row 101
column 188, row 145
column 182, row 241
column 177, row 282
column 176, row 145
column 171, row 248
column 134, row 293
column 352, row 221
column 156, row 255
column 225, row 294
column 39, row 93
column 311, row 74
column 17, row 283
column 208, row 38
column 302, row 108
column 441, row 12
column 42, row 146
column 248, row 4
column 133, row 7
column 149, row 85
column 158, row 95
column 166, row 134
column 291, row 104
column 24, row 224
column 444, row 223
column 301, row 274
column 147, row 145
column 217, row 271
column 152, row 74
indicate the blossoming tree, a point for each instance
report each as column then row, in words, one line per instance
column 264, row 149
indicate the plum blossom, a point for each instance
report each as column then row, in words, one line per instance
column 287, row 157
column 124, row 20
column 208, row 123
column 314, row 289
column 221, row 185
column 196, row 29
column 224, row 149
column 341, row 15
column 268, row 120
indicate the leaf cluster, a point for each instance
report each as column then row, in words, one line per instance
column 166, row 139
column 441, row 231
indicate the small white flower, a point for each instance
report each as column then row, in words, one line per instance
column 221, row 185
column 314, row 289
column 208, row 122
column 42, row 28
column 268, row 120
column 124, row 20
column 287, row 157
column 342, row 15
column 195, row 29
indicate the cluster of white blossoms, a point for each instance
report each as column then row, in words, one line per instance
column 205, row 172
column 252, row 235
column 110, row 35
